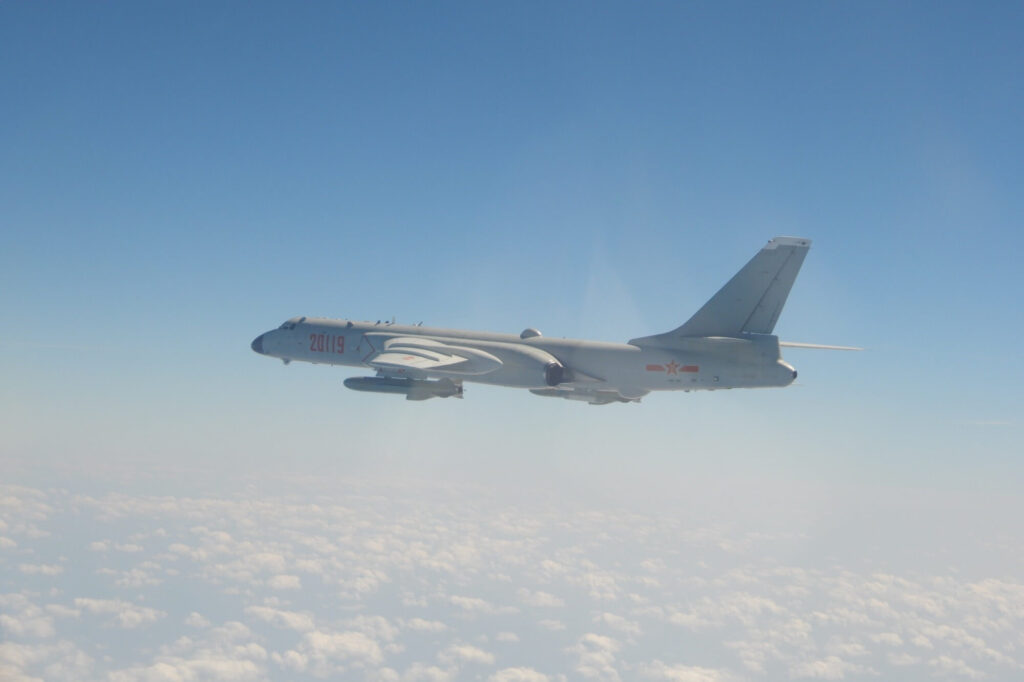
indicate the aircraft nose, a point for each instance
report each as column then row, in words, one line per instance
column 257, row 344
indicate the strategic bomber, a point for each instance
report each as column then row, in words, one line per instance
column 728, row 343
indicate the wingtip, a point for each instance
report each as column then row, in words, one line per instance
column 788, row 241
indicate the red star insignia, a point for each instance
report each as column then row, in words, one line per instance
column 672, row 367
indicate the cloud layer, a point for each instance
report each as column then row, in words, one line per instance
column 407, row 584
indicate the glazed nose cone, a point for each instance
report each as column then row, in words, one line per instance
column 257, row 344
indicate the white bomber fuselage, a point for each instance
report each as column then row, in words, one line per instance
column 728, row 343
column 629, row 370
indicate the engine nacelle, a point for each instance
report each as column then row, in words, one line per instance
column 554, row 373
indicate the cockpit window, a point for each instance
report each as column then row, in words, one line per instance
column 290, row 324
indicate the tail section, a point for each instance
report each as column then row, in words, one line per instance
column 750, row 302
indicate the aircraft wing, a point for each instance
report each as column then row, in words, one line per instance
column 417, row 355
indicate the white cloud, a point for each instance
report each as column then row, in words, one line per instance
column 682, row 673
column 465, row 653
column 596, row 656
column 476, row 605
column 137, row 577
column 23, row 618
column 422, row 625
column 922, row 642
column 599, row 585
column 539, row 599
column 847, row 649
column 619, row 623
column 472, row 604
column 225, row 654
column 129, row 547
column 902, row 659
column 829, row 668
column 58, row 660
column 377, row 627
column 62, row 611
column 551, row 625
column 126, row 614
column 947, row 665
column 291, row 660
column 174, row 669
column 292, row 620
column 324, row 652
column 285, row 582
column 518, row 675
column 404, row 583
column 889, row 638
column 41, row 569
column 196, row 620
column 269, row 562
column 421, row 672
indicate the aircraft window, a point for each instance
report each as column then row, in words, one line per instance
column 290, row 324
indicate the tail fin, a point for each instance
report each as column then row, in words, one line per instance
column 751, row 301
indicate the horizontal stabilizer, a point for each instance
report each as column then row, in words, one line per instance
column 794, row 344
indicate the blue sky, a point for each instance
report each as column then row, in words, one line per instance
column 178, row 178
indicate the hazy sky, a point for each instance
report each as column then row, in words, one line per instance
column 178, row 178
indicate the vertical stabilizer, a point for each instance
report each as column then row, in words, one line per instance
column 750, row 303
